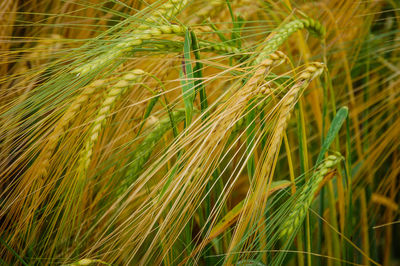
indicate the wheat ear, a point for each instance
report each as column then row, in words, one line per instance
column 64, row 121
column 111, row 98
column 165, row 11
column 250, row 89
column 252, row 209
column 145, row 148
column 218, row 48
column 283, row 34
column 126, row 45
column 303, row 202
column 211, row 8
column 136, row 38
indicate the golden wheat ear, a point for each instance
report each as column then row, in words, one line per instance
column 115, row 92
column 255, row 203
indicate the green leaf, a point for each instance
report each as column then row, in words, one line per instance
column 187, row 79
column 147, row 113
column 333, row 131
column 250, row 136
column 236, row 31
column 198, row 74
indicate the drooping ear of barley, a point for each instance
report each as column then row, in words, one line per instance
column 250, row 89
column 208, row 138
column 115, row 92
column 62, row 124
column 136, row 38
column 253, row 209
column 165, row 11
column 204, row 46
column 209, row 9
column 305, row 199
column 284, row 32
column 21, row 85
column 145, row 148
column 34, row 186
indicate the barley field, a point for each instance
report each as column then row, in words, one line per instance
column 194, row 132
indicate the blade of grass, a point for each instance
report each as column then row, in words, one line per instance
column 198, row 74
column 13, row 252
column 187, row 79
column 250, row 136
column 336, row 124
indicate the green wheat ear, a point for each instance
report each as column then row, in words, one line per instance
column 303, row 202
column 283, row 34
column 145, row 148
column 125, row 45
column 144, row 32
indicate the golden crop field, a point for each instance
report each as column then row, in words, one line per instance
column 194, row 132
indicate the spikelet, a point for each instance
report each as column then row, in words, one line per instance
column 145, row 148
column 303, row 202
column 283, row 34
column 111, row 98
